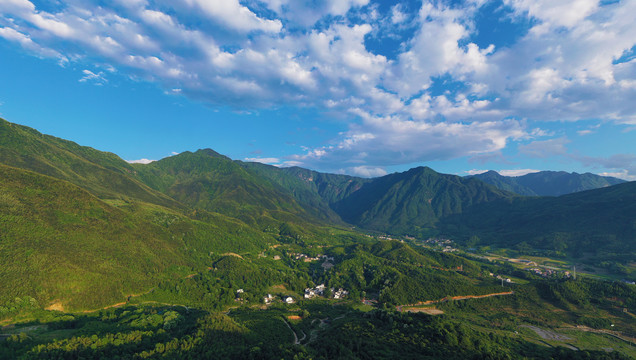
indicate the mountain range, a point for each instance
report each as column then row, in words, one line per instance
column 74, row 219
column 547, row 183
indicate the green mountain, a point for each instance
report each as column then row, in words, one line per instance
column 103, row 174
column 79, row 228
column 600, row 222
column 210, row 181
column 173, row 260
column 412, row 202
column 315, row 191
column 91, row 221
column 547, row 183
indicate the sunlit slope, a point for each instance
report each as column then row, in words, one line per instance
column 103, row 174
column 207, row 180
column 60, row 243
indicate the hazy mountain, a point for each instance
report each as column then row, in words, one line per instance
column 547, row 183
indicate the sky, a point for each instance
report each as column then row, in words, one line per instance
column 359, row 87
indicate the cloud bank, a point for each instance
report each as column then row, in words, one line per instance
column 414, row 81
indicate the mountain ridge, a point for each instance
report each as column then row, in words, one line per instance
column 547, row 183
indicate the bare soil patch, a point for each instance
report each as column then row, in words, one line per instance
column 57, row 306
column 429, row 311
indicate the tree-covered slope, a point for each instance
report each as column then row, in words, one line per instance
column 548, row 183
column 207, row 180
column 103, row 174
column 60, row 243
column 412, row 202
column 601, row 221
column 315, row 191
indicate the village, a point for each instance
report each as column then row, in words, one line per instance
column 310, row 293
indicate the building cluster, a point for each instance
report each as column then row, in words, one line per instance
column 317, row 291
column 340, row 293
column 449, row 248
column 546, row 273
column 502, row 278
column 268, row 299
column 320, row 291
column 305, row 257
column 438, row 241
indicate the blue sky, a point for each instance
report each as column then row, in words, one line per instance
column 360, row 87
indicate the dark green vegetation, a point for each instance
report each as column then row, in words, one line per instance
column 547, row 183
column 181, row 318
column 598, row 226
column 146, row 261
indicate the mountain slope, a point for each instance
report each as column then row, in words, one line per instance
column 315, row 191
column 103, row 174
column 207, row 180
column 548, row 183
column 57, row 241
column 412, row 202
column 600, row 221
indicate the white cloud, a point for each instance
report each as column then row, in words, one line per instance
column 366, row 171
column 385, row 141
column 620, row 165
column 317, row 54
column 475, row 171
column 517, row 172
column 235, row 15
column 270, row 160
column 623, row 174
column 97, row 79
column 554, row 13
column 140, row 161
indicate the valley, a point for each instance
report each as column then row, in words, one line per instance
column 200, row 256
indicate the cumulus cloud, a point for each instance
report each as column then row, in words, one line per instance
column 140, row 161
column 366, row 171
column 385, row 141
column 270, row 160
column 570, row 65
column 516, row 172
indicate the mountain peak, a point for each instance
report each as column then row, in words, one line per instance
column 211, row 153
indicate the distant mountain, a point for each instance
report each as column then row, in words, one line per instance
column 547, row 183
column 316, row 192
column 600, row 222
column 402, row 203
column 412, row 202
